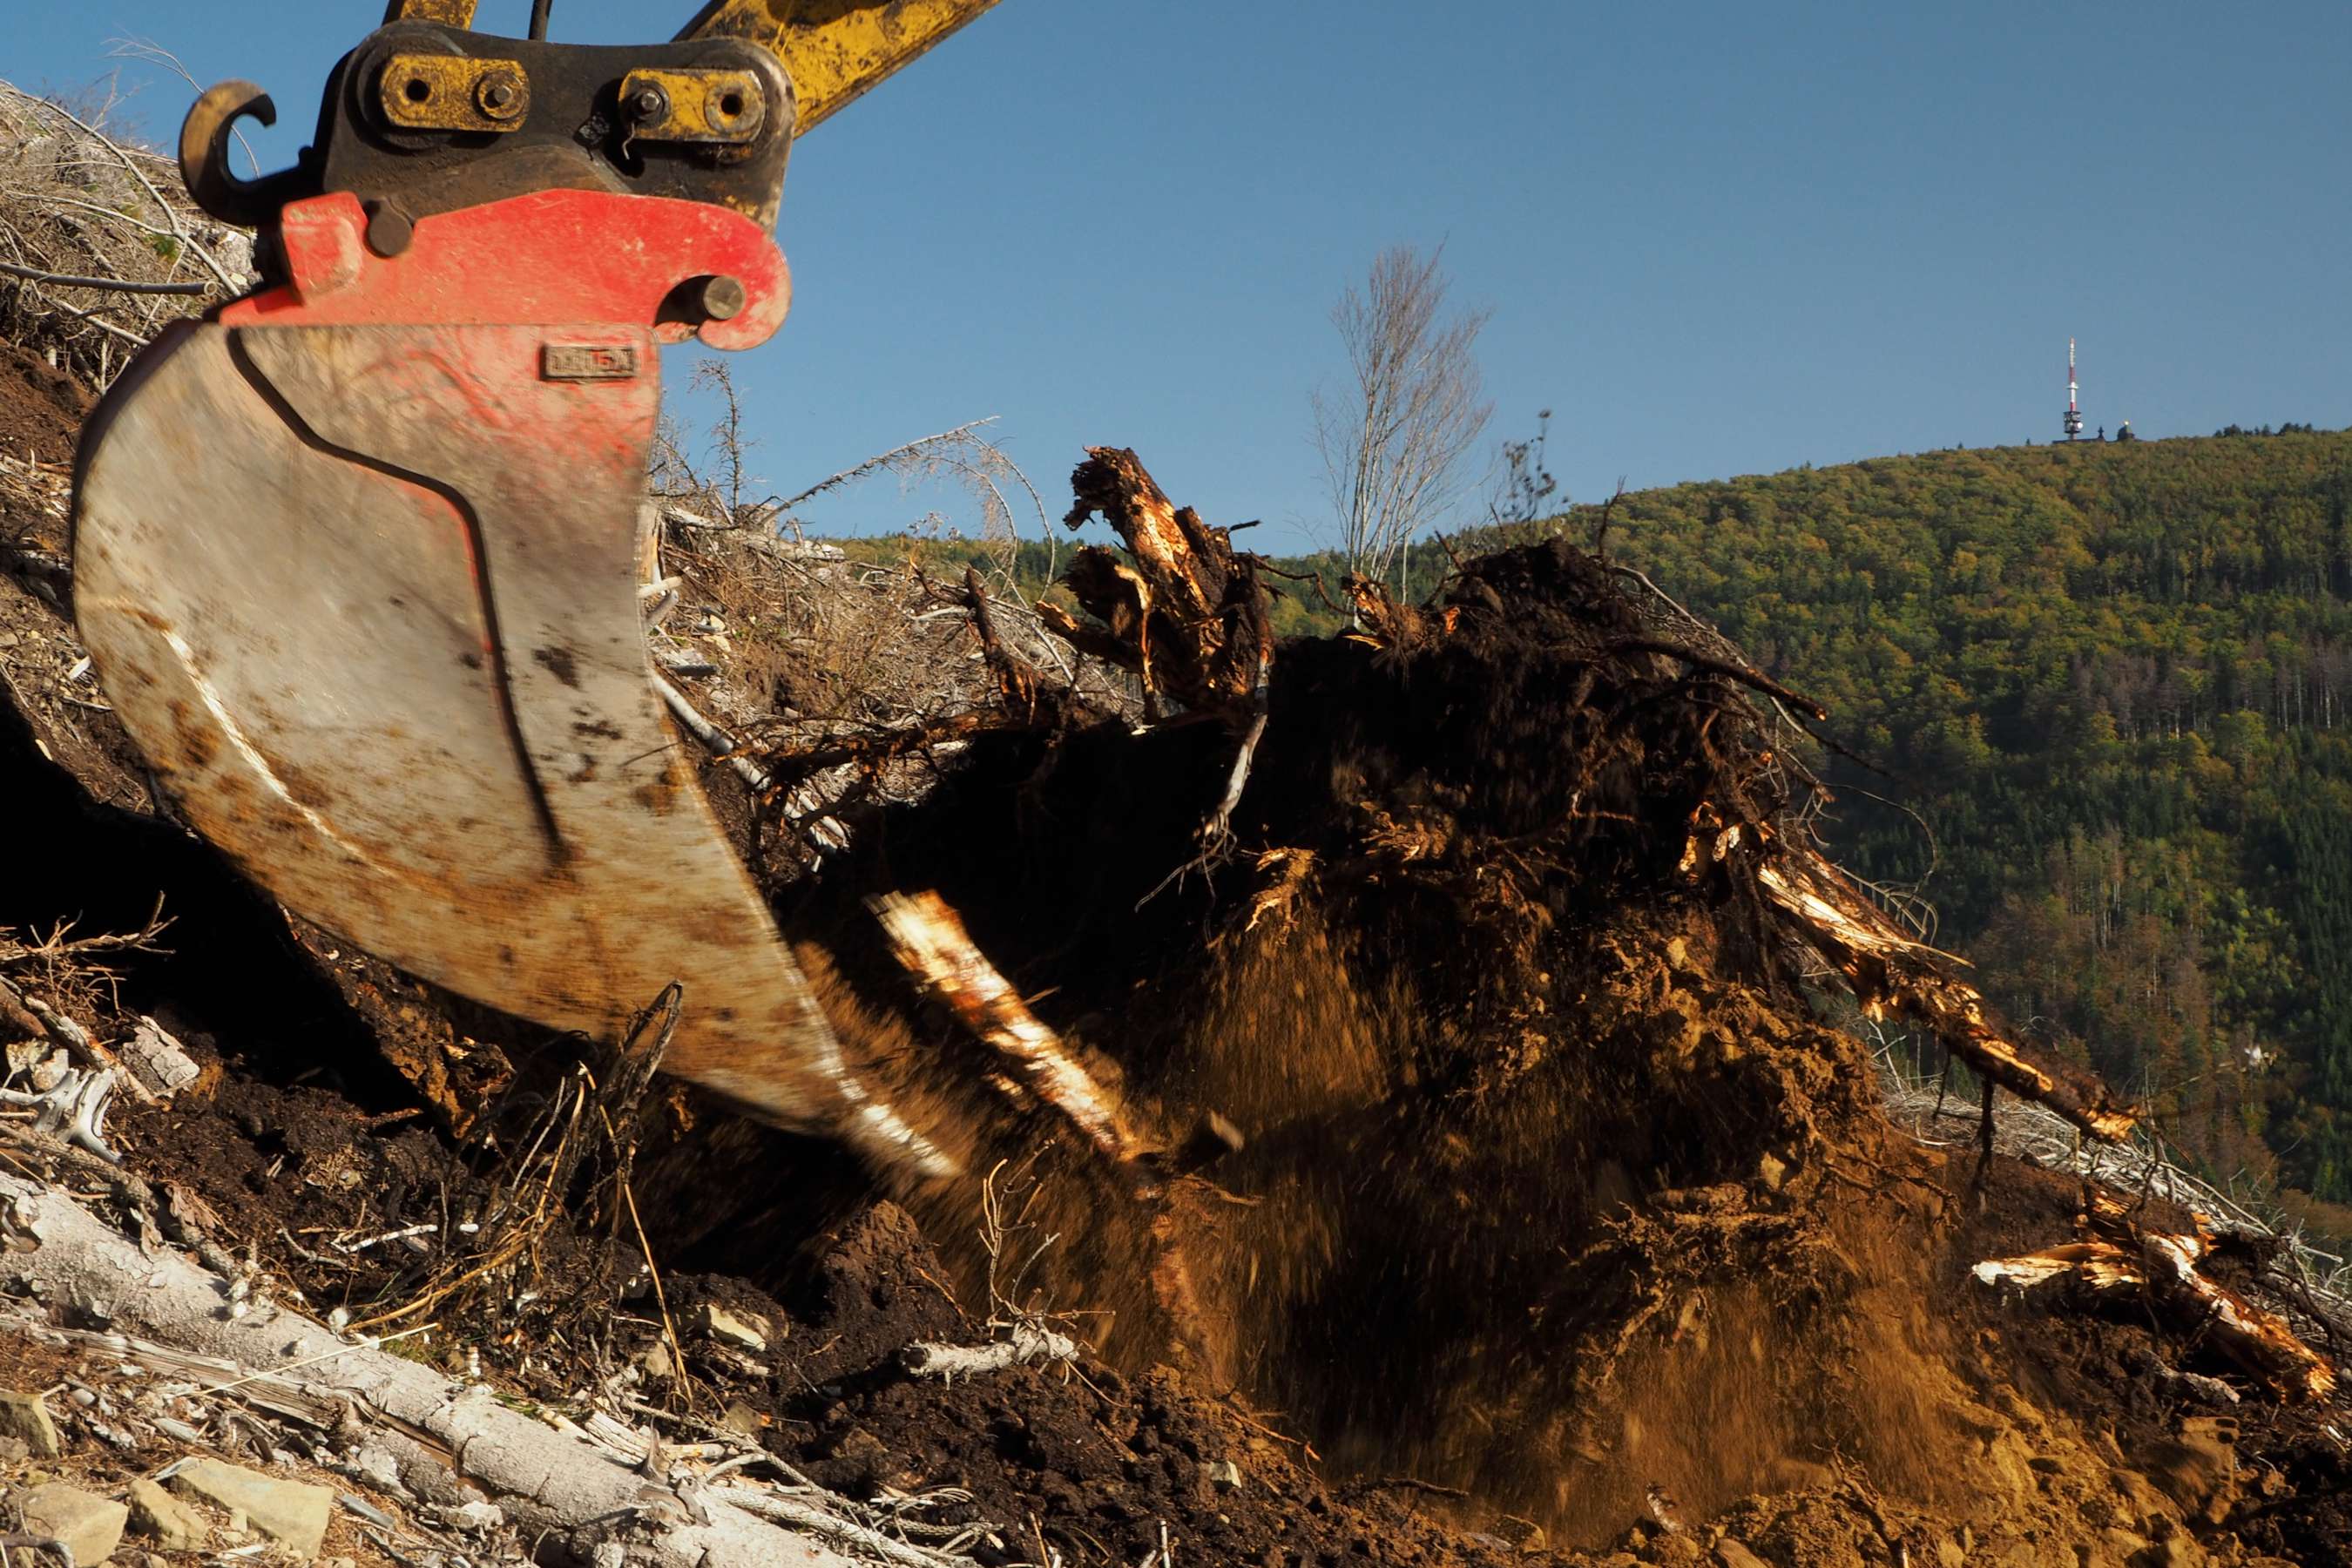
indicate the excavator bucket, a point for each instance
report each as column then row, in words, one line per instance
column 359, row 561
column 358, row 555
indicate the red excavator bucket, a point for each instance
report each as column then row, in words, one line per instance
column 358, row 561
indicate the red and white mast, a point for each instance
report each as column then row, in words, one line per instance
column 2073, row 415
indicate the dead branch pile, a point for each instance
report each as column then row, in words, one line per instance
column 597, row 1488
column 829, row 686
column 2118, row 1257
column 99, row 244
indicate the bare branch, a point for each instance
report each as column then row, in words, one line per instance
column 68, row 280
column 880, row 461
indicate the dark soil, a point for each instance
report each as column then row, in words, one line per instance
column 41, row 407
column 1097, row 1460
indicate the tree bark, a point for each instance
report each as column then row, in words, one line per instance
column 1189, row 616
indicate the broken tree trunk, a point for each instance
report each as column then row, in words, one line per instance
column 554, row 1484
column 1893, row 976
column 929, row 940
column 1189, row 616
column 2119, row 1259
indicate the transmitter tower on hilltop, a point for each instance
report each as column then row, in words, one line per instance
column 2073, row 415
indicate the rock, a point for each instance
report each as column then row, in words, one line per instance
column 2199, row 1468
column 860, row 1446
column 2178, row 1550
column 1734, row 1553
column 89, row 1524
column 175, row 1526
column 381, row 1470
column 745, row 1331
column 294, row 1512
column 157, row 1060
column 49, row 1071
column 1677, row 1549
column 655, row 1359
column 1221, row 1474
column 475, row 1516
column 743, row 1421
column 1950, row 1553
column 26, row 1418
column 1518, row 1534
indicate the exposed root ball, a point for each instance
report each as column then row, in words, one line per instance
column 1525, row 1098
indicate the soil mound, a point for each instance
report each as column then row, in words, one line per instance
column 1526, row 1098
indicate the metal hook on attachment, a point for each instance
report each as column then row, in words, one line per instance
column 203, row 158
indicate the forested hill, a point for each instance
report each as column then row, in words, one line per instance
column 2117, row 679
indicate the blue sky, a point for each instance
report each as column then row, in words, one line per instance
column 1715, row 238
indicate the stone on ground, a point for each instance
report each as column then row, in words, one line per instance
column 90, row 1525
column 24, row 1417
column 293, row 1512
column 175, row 1526
column 745, row 1331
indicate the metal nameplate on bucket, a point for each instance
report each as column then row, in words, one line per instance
column 589, row 362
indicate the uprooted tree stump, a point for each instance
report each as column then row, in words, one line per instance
column 1185, row 613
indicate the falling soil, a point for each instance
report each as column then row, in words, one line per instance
column 1564, row 1219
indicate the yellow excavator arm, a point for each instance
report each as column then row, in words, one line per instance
column 834, row 49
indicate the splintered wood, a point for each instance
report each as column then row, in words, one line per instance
column 930, row 941
column 2117, row 1258
column 1188, row 615
column 1893, row 976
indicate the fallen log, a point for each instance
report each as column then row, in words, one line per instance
column 572, row 1494
column 1893, row 976
column 2125, row 1262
